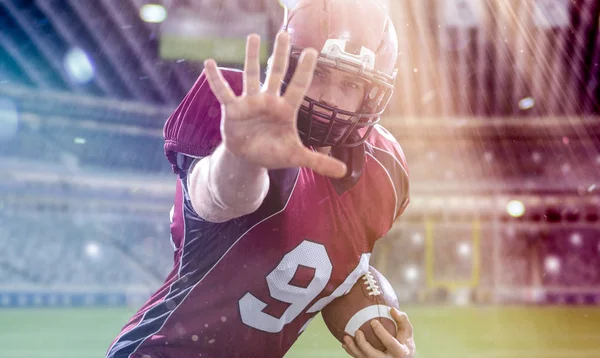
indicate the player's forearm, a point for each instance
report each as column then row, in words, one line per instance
column 223, row 185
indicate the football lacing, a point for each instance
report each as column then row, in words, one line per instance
column 371, row 284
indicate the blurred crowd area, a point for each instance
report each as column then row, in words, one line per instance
column 496, row 108
column 48, row 248
column 457, row 260
column 464, row 263
column 485, row 225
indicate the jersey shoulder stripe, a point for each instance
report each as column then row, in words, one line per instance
column 387, row 152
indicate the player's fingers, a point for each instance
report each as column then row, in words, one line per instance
column 302, row 77
column 412, row 348
column 350, row 353
column 392, row 345
column 351, row 348
column 405, row 328
column 217, row 83
column 280, row 63
column 252, row 65
column 322, row 164
column 366, row 347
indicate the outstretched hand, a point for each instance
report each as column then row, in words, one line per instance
column 260, row 124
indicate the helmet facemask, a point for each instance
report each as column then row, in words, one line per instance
column 321, row 125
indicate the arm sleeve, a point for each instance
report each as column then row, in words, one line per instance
column 193, row 130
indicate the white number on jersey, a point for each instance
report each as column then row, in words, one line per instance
column 307, row 254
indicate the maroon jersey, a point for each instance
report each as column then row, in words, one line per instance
column 249, row 287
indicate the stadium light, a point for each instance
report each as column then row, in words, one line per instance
column 515, row 208
column 92, row 249
column 464, row 249
column 576, row 239
column 526, row 103
column 153, row 13
column 465, row 14
column 552, row 264
column 78, row 66
column 551, row 14
column 417, row 239
column 411, row 273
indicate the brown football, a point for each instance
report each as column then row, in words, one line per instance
column 371, row 297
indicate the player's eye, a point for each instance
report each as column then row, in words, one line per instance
column 352, row 85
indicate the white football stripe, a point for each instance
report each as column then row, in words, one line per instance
column 365, row 315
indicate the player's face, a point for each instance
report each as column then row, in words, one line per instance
column 337, row 89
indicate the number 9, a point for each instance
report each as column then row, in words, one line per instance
column 307, row 254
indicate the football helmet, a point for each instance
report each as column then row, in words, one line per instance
column 353, row 36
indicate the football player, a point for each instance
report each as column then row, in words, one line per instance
column 283, row 189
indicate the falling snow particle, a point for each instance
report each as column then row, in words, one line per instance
column 510, row 231
column 180, row 329
column 194, row 338
column 211, row 341
column 223, row 319
column 213, row 112
column 462, row 123
column 170, row 304
column 530, row 184
column 488, row 156
column 565, row 140
column 591, row 188
column 428, row 97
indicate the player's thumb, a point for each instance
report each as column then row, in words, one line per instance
column 405, row 328
column 324, row 164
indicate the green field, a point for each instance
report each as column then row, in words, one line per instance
column 484, row 332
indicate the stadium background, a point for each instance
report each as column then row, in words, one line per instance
column 496, row 108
